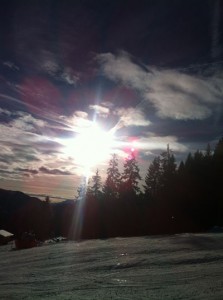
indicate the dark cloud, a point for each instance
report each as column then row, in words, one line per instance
column 6, row 158
column 54, row 171
column 29, row 171
column 7, row 172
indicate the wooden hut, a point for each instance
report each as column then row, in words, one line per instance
column 5, row 237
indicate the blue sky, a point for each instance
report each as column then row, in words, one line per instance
column 147, row 72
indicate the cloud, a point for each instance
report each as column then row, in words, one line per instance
column 29, row 171
column 22, row 120
column 69, row 76
column 131, row 117
column 5, row 112
column 102, row 111
column 152, row 142
column 81, row 114
column 149, row 145
column 77, row 121
column 48, row 64
column 121, row 68
column 54, row 171
column 173, row 94
column 27, row 122
column 16, row 135
column 11, row 65
column 23, row 143
column 53, row 121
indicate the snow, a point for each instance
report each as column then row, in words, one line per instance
column 186, row 266
column 5, row 233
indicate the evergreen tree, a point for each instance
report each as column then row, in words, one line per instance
column 81, row 192
column 96, row 184
column 89, row 190
column 208, row 159
column 130, row 177
column 111, row 186
column 153, row 177
column 168, row 166
column 167, row 195
column 219, row 148
column 181, row 168
column 208, row 153
column 217, row 180
column 198, row 156
column 188, row 162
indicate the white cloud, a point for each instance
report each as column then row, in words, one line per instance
column 81, row 114
column 5, row 111
column 108, row 104
column 77, row 121
column 174, row 94
column 131, row 117
column 121, row 68
column 100, row 110
column 26, row 122
column 153, row 142
column 21, row 148
column 17, row 135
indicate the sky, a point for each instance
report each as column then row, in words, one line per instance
column 80, row 80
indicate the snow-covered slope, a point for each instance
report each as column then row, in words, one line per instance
column 188, row 266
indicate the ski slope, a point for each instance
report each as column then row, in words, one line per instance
column 187, row 266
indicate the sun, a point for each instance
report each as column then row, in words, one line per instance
column 91, row 146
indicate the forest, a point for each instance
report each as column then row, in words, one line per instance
column 183, row 198
column 176, row 198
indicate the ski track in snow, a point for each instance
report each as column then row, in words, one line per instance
column 186, row 266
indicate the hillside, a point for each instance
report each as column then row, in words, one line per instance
column 186, row 266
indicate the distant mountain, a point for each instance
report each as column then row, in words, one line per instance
column 63, row 203
column 18, row 198
column 20, row 212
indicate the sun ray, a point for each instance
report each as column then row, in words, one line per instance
column 91, row 146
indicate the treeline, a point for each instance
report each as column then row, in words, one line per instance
column 175, row 199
